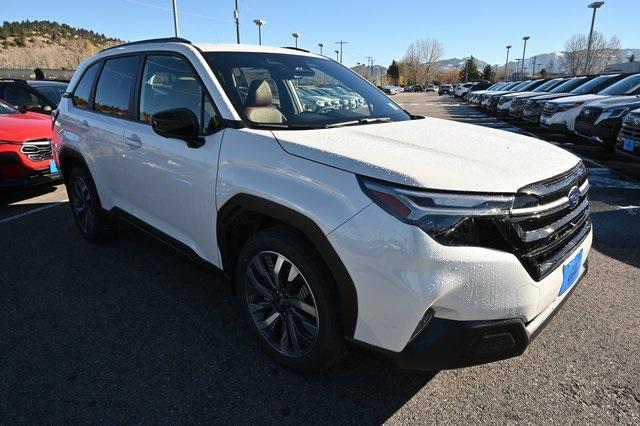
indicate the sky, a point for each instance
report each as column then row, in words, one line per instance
column 381, row 29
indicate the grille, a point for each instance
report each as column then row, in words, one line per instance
column 631, row 127
column 549, row 109
column 518, row 102
column 547, row 223
column 589, row 115
column 37, row 150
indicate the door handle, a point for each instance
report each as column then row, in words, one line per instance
column 133, row 141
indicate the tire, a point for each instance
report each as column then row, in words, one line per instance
column 307, row 303
column 93, row 222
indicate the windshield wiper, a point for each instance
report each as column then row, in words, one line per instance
column 285, row 126
column 358, row 122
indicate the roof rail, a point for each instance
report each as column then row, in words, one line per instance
column 296, row 48
column 152, row 40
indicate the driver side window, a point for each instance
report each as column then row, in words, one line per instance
column 169, row 82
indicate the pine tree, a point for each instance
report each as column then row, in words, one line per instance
column 487, row 72
column 470, row 70
column 394, row 71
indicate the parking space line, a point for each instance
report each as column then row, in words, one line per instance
column 36, row 210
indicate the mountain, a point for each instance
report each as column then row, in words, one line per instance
column 553, row 61
column 48, row 44
column 456, row 63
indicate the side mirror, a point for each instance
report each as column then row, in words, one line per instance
column 32, row 108
column 179, row 123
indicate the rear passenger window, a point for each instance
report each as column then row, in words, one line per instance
column 169, row 82
column 83, row 89
column 115, row 84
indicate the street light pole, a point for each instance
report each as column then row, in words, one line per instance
column 236, row 17
column 535, row 59
column 337, row 55
column 175, row 19
column 259, row 23
column 341, row 43
column 506, row 63
column 595, row 6
column 296, row 36
column 525, row 38
column 321, row 45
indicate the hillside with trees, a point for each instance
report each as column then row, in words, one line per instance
column 48, row 44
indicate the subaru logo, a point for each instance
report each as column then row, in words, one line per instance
column 574, row 196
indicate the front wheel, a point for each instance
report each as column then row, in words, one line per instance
column 290, row 300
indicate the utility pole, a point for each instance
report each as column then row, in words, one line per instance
column 524, row 50
column 175, row 19
column 506, row 64
column 341, row 43
column 595, row 6
column 466, row 71
column 369, row 59
column 518, row 61
column 321, row 45
column 236, row 17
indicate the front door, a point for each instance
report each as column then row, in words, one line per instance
column 172, row 185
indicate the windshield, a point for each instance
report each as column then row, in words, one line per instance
column 627, row 86
column 7, row 109
column 53, row 91
column 569, row 85
column 519, row 85
column 296, row 91
column 528, row 86
column 592, row 85
column 543, row 87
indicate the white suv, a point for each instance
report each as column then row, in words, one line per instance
column 439, row 244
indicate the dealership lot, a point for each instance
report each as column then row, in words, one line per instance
column 131, row 330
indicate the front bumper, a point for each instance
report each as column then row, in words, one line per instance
column 603, row 131
column 447, row 344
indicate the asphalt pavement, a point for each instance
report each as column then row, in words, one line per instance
column 132, row 332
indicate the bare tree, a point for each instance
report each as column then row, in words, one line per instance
column 603, row 52
column 421, row 61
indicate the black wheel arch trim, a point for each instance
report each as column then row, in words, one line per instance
column 244, row 203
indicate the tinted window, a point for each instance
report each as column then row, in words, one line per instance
column 569, row 85
column 628, row 86
column 83, row 88
column 19, row 96
column 6, row 109
column 595, row 84
column 115, row 85
column 53, row 92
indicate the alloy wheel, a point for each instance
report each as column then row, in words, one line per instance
column 81, row 204
column 281, row 304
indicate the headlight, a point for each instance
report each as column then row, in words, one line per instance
column 567, row 107
column 450, row 218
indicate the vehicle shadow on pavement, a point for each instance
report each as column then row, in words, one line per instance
column 14, row 195
column 616, row 222
column 130, row 331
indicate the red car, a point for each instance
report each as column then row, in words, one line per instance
column 25, row 148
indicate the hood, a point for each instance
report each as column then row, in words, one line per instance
column 500, row 92
column 432, row 153
column 527, row 95
column 551, row 96
column 616, row 101
column 20, row 127
column 580, row 98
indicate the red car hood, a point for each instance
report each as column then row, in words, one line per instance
column 22, row 127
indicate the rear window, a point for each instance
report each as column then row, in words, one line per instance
column 115, row 85
column 83, row 88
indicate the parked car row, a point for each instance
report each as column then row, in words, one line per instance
column 592, row 107
column 25, row 131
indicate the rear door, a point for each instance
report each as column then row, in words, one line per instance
column 170, row 185
column 112, row 112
